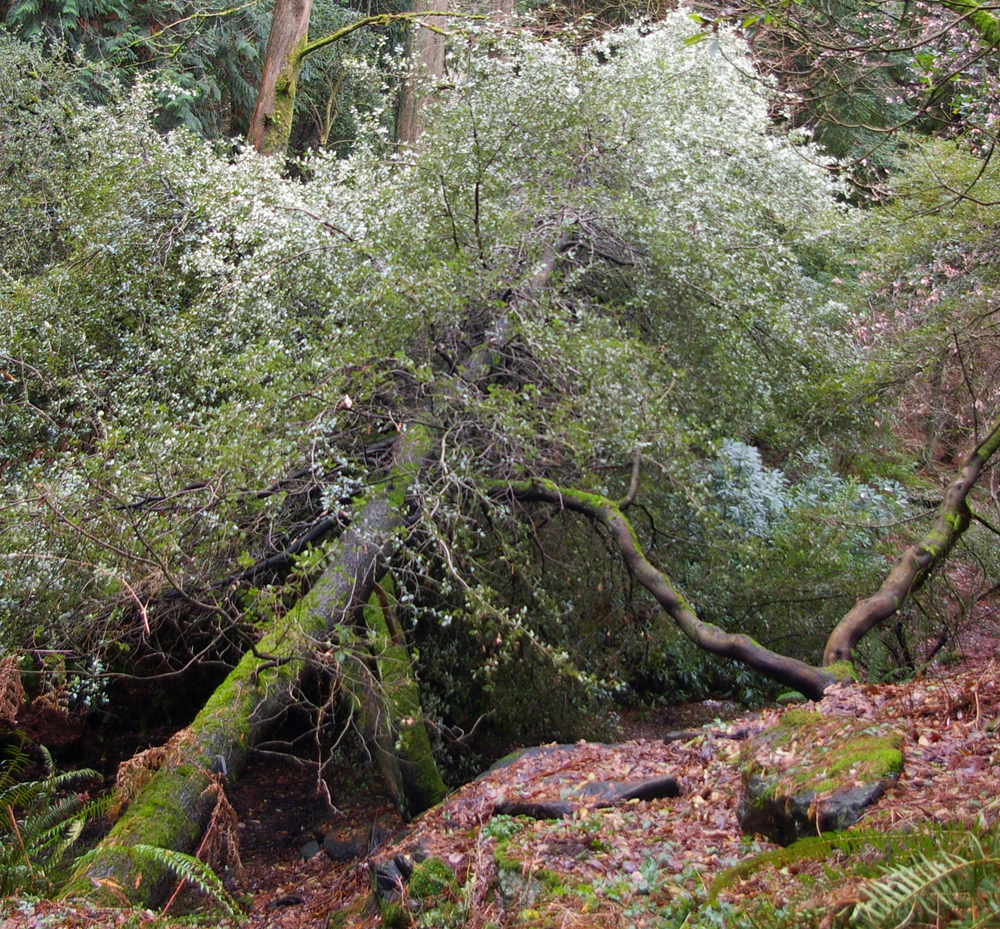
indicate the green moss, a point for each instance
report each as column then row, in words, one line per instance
column 842, row 670
column 552, row 881
column 870, row 757
column 504, row 861
column 431, row 878
column 423, row 783
column 394, row 915
column 799, row 719
column 831, row 753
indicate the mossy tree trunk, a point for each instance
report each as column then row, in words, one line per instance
column 387, row 701
column 271, row 124
column 915, row 565
column 172, row 810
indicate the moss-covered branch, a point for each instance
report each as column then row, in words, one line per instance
column 789, row 671
column 984, row 22
column 915, row 565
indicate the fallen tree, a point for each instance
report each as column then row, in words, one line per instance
column 171, row 811
column 514, row 333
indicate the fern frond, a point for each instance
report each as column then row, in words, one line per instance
column 37, row 826
column 942, row 883
column 192, row 870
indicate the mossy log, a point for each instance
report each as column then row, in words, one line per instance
column 387, row 701
column 172, row 810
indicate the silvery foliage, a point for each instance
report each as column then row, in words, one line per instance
column 202, row 315
column 754, row 499
column 748, row 494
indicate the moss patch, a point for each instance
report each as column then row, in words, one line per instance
column 431, row 878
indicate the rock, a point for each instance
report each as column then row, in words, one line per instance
column 405, row 864
column 518, row 888
column 785, row 819
column 536, row 751
column 389, row 880
column 309, row 850
column 341, row 851
column 607, row 793
column 815, row 773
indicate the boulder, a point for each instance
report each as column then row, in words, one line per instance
column 815, row 773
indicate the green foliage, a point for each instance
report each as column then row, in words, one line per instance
column 40, row 820
column 640, row 261
column 930, row 875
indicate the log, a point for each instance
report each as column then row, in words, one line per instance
column 172, row 810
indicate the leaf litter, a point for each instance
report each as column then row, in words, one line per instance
column 627, row 861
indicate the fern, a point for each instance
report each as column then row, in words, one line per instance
column 37, row 825
column 945, row 888
column 192, row 870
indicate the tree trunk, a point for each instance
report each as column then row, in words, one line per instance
column 388, row 703
column 425, row 49
column 172, row 809
column 271, row 125
column 915, row 565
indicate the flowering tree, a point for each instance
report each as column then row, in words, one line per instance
column 236, row 405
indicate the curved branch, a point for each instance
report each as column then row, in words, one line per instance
column 789, row 671
column 915, row 565
column 633, row 484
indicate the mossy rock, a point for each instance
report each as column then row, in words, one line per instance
column 431, row 878
column 815, row 773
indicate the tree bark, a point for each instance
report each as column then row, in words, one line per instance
column 915, row 565
column 271, row 124
column 388, row 703
column 789, row 671
column 425, row 50
column 172, row 810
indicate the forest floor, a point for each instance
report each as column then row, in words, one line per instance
column 637, row 863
